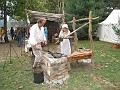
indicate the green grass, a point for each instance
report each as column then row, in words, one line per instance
column 104, row 77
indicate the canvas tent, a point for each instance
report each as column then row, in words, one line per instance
column 15, row 23
column 105, row 30
column 1, row 23
column 12, row 23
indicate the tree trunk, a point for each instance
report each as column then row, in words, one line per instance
column 63, row 19
column 5, row 21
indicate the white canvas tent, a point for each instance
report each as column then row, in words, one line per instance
column 15, row 23
column 105, row 31
column 2, row 21
column 12, row 23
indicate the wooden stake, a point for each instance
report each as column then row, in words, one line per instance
column 75, row 34
column 78, row 29
column 82, row 19
column 63, row 19
column 90, row 36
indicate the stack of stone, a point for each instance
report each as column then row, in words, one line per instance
column 55, row 69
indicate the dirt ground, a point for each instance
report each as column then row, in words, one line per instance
column 11, row 47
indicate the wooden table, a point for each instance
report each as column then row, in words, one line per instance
column 81, row 54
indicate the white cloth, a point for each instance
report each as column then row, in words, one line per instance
column 64, row 26
column 27, row 45
column 3, row 39
column 65, row 47
column 36, row 35
column 65, row 44
column 37, row 54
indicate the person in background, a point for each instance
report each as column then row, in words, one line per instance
column 65, row 43
column 36, row 37
column 12, row 33
column 23, row 32
column 19, row 37
column 3, row 34
column 50, row 34
column 15, row 34
column 46, row 32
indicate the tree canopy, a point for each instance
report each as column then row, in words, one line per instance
column 80, row 9
column 16, row 8
column 77, row 8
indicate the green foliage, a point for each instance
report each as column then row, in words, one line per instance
column 112, row 3
column 17, row 8
column 51, row 5
column 54, row 6
column 80, row 9
column 105, row 76
column 116, row 29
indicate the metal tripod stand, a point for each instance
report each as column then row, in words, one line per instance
column 9, row 52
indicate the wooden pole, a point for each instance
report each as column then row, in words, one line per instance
column 27, row 24
column 74, row 31
column 77, row 29
column 83, row 19
column 26, row 17
column 75, row 34
column 63, row 19
column 59, row 6
column 90, row 36
column 5, row 21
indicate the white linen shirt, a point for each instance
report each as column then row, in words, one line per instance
column 36, row 35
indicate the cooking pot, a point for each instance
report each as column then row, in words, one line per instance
column 56, row 54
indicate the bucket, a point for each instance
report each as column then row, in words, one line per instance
column 38, row 77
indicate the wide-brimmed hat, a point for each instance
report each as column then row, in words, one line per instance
column 64, row 26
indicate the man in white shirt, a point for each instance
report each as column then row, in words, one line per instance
column 36, row 37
